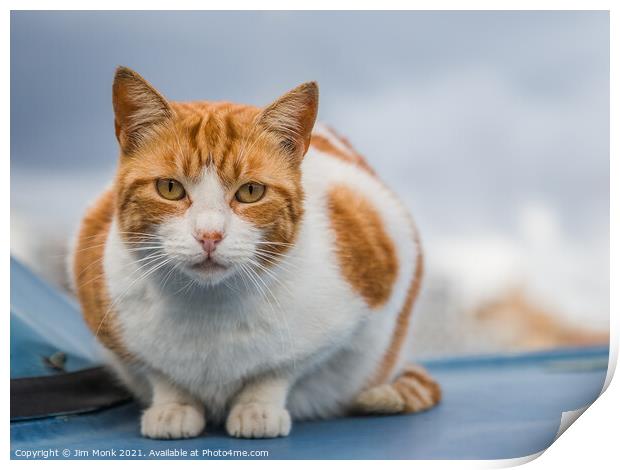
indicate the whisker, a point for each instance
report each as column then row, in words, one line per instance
column 281, row 264
column 263, row 242
column 275, row 253
column 149, row 258
column 270, row 274
column 275, row 259
column 282, row 317
column 121, row 296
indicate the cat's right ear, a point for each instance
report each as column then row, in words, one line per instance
column 291, row 118
column 138, row 108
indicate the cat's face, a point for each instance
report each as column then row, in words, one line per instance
column 209, row 189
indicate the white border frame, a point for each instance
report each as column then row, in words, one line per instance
column 592, row 441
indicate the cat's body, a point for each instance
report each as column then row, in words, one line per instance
column 313, row 324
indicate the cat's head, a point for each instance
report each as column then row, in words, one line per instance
column 209, row 188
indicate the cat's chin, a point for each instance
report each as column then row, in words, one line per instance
column 209, row 272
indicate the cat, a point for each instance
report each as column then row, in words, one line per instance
column 248, row 268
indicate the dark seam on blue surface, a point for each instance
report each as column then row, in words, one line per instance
column 87, row 390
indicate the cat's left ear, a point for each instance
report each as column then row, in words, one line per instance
column 291, row 118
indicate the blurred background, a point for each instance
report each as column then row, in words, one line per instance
column 492, row 126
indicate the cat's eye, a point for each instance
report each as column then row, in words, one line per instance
column 170, row 189
column 250, row 192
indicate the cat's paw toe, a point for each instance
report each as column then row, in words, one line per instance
column 172, row 421
column 258, row 420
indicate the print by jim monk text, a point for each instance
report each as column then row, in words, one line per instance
column 196, row 453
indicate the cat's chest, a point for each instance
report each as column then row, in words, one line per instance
column 214, row 344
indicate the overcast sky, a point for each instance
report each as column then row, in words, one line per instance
column 471, row 116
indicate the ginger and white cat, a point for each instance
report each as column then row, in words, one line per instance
column 247, row 270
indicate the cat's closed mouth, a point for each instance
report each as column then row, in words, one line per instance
column 209, row 265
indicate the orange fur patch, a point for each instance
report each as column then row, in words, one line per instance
column 366, row 253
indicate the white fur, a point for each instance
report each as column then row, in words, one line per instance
column 307, row 344
column 172, row 421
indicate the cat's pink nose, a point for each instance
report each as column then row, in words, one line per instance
column 209, row 240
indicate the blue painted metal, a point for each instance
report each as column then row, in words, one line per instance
column 49, row 321
column 493, row 406
column 29, row 349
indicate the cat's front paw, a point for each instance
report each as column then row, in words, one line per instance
column 172, row 421
column 258, row 420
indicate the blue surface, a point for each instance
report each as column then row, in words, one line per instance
column 29, row 350
column 493, row 407
column 44, row 321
